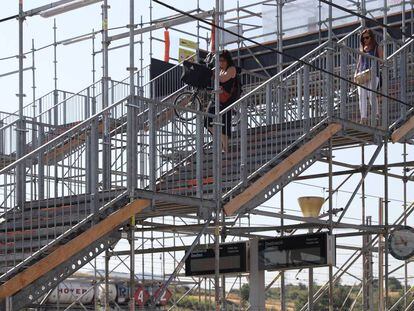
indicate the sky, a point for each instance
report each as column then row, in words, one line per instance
column 74, row 70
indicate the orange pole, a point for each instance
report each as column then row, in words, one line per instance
column 167, row 45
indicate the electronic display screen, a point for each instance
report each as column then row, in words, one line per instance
column 293, row 252
column 232, row 260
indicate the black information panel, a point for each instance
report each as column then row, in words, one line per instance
column 299, row 251
column 232, row 260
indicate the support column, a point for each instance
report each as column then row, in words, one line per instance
column 405, row 170
column 256, row 279
column 386, row 261
column 106, row 152
column 132, row 160
column 280, row 86
column 107, row 258
column 385, row 71
column 216, row 160
column 381, row 302
column 368, row 275
column 329, row 64
column 282, row 273
column 20, row 169
column 310, row 286
column 41, row 163
column 56, row 109
column 331, row 281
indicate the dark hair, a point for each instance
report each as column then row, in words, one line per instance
column 227, row 56
column 371, row 34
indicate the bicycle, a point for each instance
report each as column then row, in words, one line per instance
column 198, row 99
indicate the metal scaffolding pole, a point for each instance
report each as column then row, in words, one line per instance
column 282, row 273
column 216, row 163
column 330, row 186
column 106, row 152
column 381, row 302
column 20, row 170
column 405, row 169
column 33, row 190
column 132, row 151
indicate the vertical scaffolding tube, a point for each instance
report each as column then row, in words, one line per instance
column 216, row 159
column 20, row 171
column 329, row 63
column 331, row 281
column 381, row 302
column 132, row 151
column 280, row 88
column 106, row 152
column 282, row 273
column 33, row 190
column 386, row 223
column 55, row 103
column 363, row 12
column 405, row 220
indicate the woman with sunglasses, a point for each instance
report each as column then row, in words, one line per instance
column 368, row 46
column 229, row 94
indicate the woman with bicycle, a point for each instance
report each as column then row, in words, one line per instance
column 230, row 92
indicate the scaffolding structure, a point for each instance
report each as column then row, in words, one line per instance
column 118, row 178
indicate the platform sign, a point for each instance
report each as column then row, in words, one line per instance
column 233, row 259
column 298, row 251
column 166, row 296
column 141, row 296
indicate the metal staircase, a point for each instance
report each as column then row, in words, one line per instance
column 161, row 165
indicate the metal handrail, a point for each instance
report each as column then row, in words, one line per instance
column 278, row 75
column 62, row 136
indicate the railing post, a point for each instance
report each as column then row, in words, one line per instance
column 306, row 97
column 343, row 84
column 243, row 143
column 64, row 109
column 88, row 145
column 199, row 154
column 152, row 146
column 41, row 164
column 94, row 180
column 1, row 138
column 374, row 101
column 299, row 89
column 268, row 98
column 403, row 79
column 330, row 83
column 132, row 156
column 106, row 152
column 20, row 168
column 384, row 100
column 280, row 103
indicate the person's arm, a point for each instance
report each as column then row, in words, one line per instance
column 227, row 75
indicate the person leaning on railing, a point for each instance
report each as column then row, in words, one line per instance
column 363, row 74
column 230, row 92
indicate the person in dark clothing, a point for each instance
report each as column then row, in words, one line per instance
column 228, row 95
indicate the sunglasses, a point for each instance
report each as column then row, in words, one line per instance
column 365, row 38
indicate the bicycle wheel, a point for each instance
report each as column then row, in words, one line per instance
column 186, row 99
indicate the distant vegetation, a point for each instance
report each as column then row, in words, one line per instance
column 345, row 297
